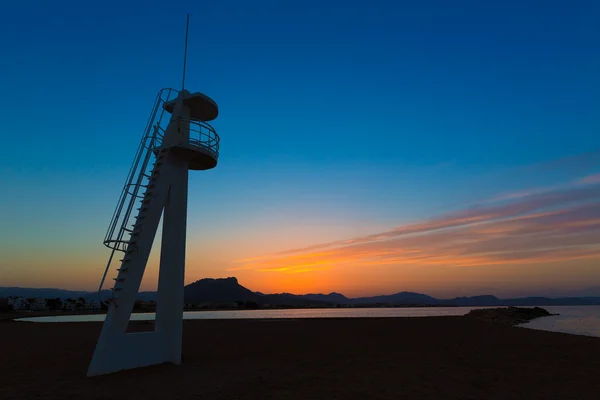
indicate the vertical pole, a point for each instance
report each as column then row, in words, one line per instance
column 187, row 24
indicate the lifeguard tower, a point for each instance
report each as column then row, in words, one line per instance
column 157, row 183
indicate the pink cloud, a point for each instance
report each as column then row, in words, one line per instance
column 540, row 227
column 590, row 180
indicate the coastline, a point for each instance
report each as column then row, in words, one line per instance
column 59, row 313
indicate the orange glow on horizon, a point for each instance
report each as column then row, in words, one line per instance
column 499, row 244
column 521, row 233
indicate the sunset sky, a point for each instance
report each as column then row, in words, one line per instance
column 443, row 147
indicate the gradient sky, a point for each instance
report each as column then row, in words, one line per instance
column 444, row 147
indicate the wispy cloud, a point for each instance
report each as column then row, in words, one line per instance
column 558, row 224
column 590, row 180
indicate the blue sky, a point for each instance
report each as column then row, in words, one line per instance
column 337, row 119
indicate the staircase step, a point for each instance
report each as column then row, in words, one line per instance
column 122, row 269
column 119, row 279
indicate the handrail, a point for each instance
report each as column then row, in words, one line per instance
column 139, row 169
column 201, row 135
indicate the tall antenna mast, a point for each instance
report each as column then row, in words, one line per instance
column 187, row 24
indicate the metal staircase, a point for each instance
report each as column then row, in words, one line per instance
column 127, row 222
column 126, row 225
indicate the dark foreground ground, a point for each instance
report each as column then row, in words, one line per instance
column 393, row 358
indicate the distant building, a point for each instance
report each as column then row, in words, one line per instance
column 91, row 305
column 69, row 305
column 80, row 305
column 18, row 303
column 38, row 305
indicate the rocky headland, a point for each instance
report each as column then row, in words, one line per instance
column 508, row 315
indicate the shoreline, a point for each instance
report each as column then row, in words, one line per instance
column 8, row 316
column 521, row 317
column 32, row 314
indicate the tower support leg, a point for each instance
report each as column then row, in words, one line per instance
column 118, row 350
column 170, row 301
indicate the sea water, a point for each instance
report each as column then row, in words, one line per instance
column 579, row 320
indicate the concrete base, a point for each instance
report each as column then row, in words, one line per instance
column 131, row 350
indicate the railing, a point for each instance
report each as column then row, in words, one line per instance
column 136, row 182
column 137, row 177
column 202, row 136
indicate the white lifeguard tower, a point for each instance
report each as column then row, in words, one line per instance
column 157, row 182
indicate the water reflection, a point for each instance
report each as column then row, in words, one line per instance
column 579, row 320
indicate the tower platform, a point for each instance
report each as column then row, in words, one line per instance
column 200, row 150
column 202, row 107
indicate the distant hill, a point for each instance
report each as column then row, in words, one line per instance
column 51, row 293
column 225, row 290
column 228, row 290
column 523, row 301
column 485, row 300
column 46, row 293
column 293, row 300
column 398, row 299
column 334, row 298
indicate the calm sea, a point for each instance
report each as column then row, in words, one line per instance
column 579, row 320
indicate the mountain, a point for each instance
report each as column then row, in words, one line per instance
column 52, row 293
column 46, row 293
column 334, row 298
column 474, row 301
column 293, row 300
column 481, row 301
column 398, row 299
column 228, row 290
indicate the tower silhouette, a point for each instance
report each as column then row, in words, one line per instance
column 157, row 184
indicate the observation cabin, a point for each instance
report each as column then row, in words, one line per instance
column 188, row 134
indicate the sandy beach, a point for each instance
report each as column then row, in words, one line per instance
column 389, row 358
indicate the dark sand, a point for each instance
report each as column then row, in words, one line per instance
column 393, row 358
